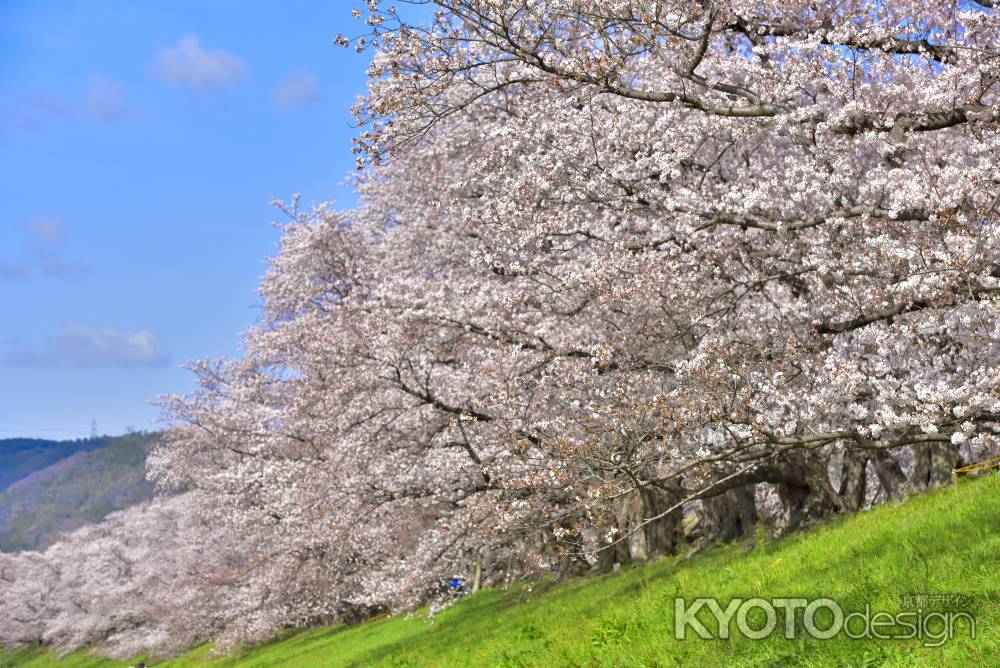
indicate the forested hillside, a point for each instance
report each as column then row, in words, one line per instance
column 20, row 457
column 97, row 477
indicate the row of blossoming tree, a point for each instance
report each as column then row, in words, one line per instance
column 623, row 273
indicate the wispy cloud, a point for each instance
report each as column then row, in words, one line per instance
column 45, row 232
column 9, row 270
column 59, row 267
column 190, row 66
column 298, row 89
column 79, row 345
column 44, row 252
column 38, row 110
column 48, row 237
column 106, row 100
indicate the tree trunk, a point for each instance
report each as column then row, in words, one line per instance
column 802, row 483
column 805, row 491
column 643, row 539
column 664, row 534
column 933, row 464
column 729, row 515
column 852, row 480
column 890, row 475
column 616, row 553
column 634, row 537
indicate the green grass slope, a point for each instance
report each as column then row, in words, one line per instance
column 943, row 543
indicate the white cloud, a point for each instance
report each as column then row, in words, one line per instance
column 106, row 100
column 78, row 345
column 188, row 65
column 297, row 89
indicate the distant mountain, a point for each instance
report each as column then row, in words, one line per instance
column 20, row 457
column 82, row 482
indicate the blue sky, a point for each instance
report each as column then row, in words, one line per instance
column 140, row 146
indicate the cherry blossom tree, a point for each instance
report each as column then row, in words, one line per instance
column 158, row 576
column 616, row 260
column 787, row 209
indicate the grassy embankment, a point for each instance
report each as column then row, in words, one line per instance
column 943, row 543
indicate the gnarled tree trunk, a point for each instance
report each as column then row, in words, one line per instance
column 804, row 489
column 852, row 490
column 933, row 465
column 890, row 475
column 729, row 515
column 644, row 536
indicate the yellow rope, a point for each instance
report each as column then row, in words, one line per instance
column 985, row 465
